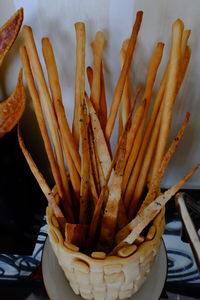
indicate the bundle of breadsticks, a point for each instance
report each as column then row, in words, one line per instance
column 106, row 199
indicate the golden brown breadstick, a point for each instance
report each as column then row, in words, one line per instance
column 170, row 93
column 101, row 147
column 153, row 67
column 130, row 232
column 109, row 220
column 97, row 47
column 75, row 234
column 120, row 84
column 93, row 161
column 90, row 76
column 153, row 190
column 138, row 178
column 136, row 121
column 42, row 182
column 54, row 83
column 103, row 105
column 185, row 37
column 184, row 64
column 125, row 104
column 49, row 110
column 85, row 164
column 41, row 121
column 80, row 77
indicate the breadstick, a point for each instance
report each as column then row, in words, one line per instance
column 97, row 47
column 136, row 121
column 122, row 219
column 41, row 121
column 49, row 111
column 57, row 100
column 99, row 140
column 139, row 179
column 75, row 234
column 93, row 161
column 102, row 198
column 85, row 164
column 154, row 64
column 129, row 233
column 103, row 105
column 80, row 77
column 185, row 37
column 125, row 104
column 109, row 220
column 90, row 76
column 184, row 64
column 120, row 84
column 156, row 183
column 170, row 93
column 147, row 134
column 42, row 182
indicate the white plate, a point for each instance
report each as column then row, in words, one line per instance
column 58, row 287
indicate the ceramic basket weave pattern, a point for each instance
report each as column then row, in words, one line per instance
column 109, row 278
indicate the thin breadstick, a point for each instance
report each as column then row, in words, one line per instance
column 184, row 64
column 93, row 189
column 147, row 134
column 97, row 214
column 129, row 233
column 125, row 104
column 109, row 220
column 120, row 126
column 185, row 37
column 153, row 67
column 97, row 47
column 102, row 198
column 85, row 164
column 138, row 179
column 73, row 173
column 157, row 180
column 42, row 182
column 57, row 100
column 90, row 76
column 41, row 121
column 120, row 84
column 150, row 150
column 131, row 160
column 103, row 105
column 170, row 93
column 49, row 111
column 80, row 77
column 93, row 160
column 75, row 234
column 136, row 121
column 122, row 219
column 99, row 140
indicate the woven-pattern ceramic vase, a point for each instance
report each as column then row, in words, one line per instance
column 112, row 277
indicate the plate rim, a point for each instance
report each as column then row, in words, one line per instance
column 47, row 240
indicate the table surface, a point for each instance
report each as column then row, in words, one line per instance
column 21, row 275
